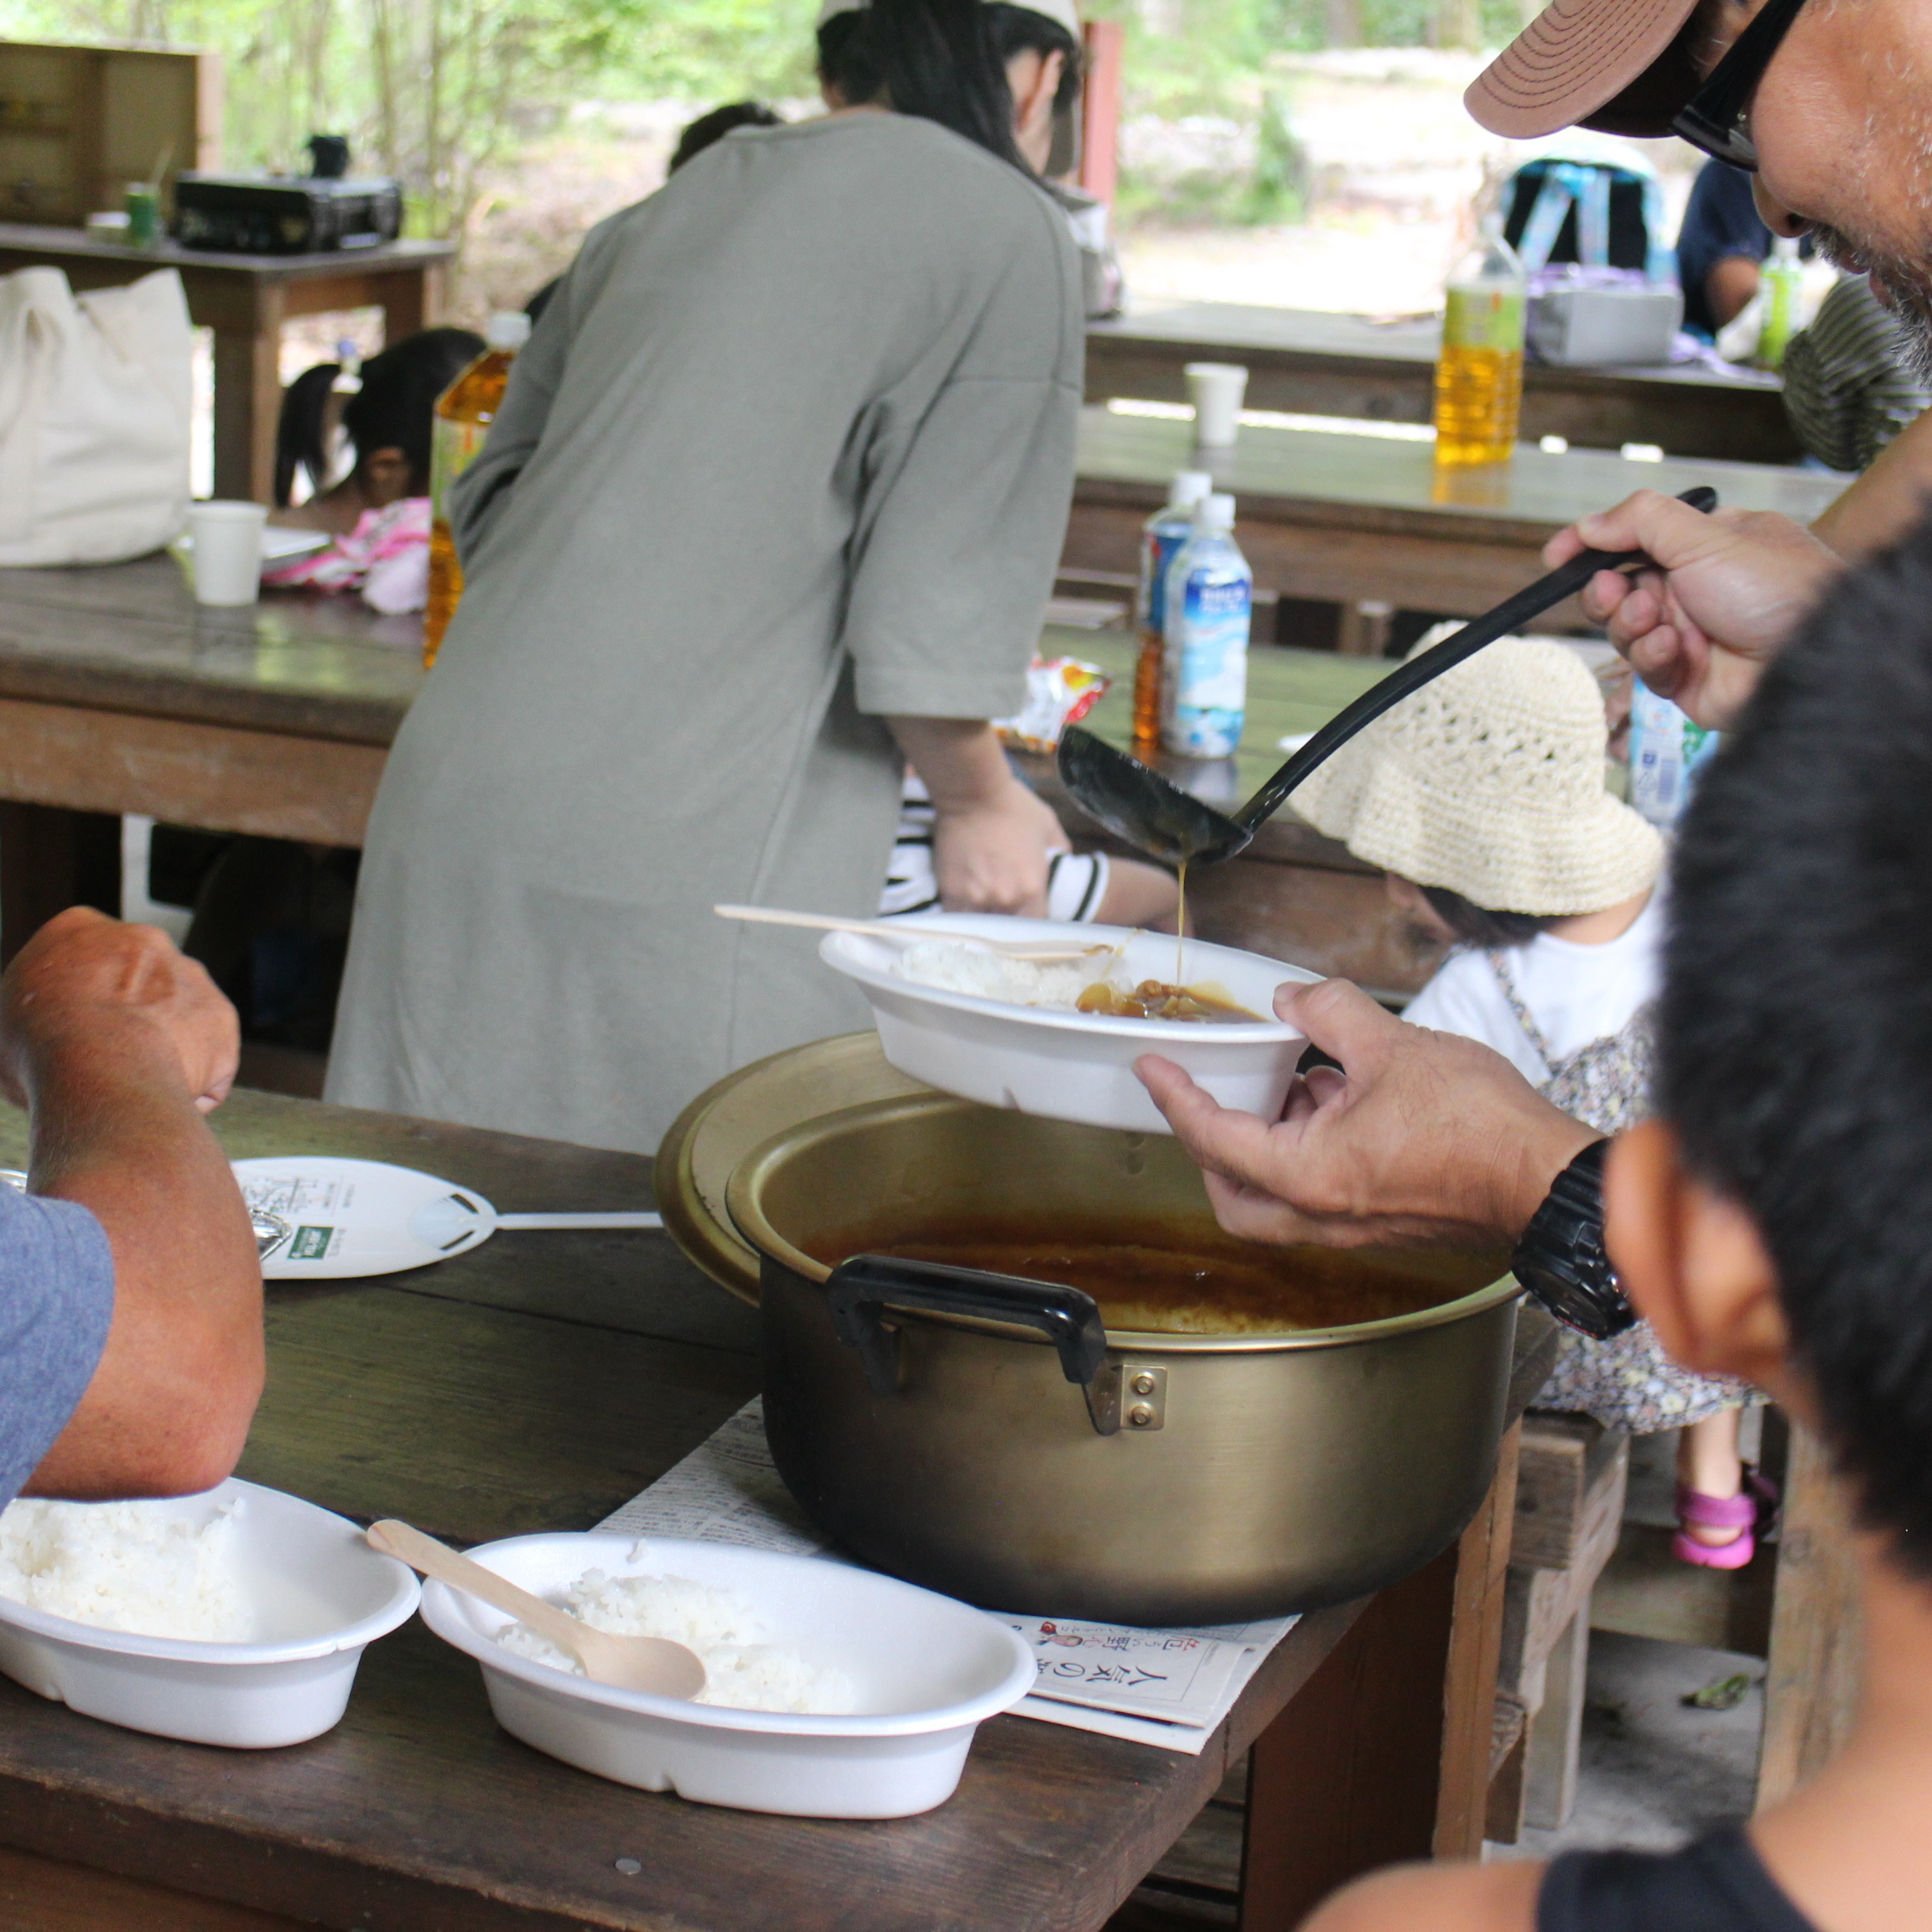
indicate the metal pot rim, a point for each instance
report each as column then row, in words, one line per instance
column 744, row 1190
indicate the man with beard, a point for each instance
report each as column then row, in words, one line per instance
column 1413, row 1136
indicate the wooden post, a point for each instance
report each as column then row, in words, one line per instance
column 1469, row 1674
column 1384, row 1754
column 1817, row 1658
column 1104, row 43
column 248, row 400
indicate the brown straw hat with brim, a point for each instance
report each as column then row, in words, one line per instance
column 1621, row 66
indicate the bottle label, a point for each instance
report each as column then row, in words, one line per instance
column 1207, row 655
column 1480, row 318
column 1160, row 545
column 1667, row 751
column 454, row 446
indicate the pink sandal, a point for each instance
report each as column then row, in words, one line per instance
column 1742, row 1513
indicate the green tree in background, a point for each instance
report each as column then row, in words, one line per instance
column 443, row 92
column 437, row 91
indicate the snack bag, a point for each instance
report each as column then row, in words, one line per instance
column 1060, row 692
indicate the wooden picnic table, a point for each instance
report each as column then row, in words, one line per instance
column 1354, row 518
column 118, row 692
column 245, row 299
column 539, row 1382
column 1306, row 361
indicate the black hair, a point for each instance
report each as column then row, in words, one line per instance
column 1795, row 1026
column 933, row 59
column 393, row 408
column 1019, row 30
column 302, row 431
column 1474, row 925
column 708, row 129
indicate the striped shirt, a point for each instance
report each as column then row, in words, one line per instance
column 1075, row 882
column 1850, row 386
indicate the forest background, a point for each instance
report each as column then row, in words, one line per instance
column 1268, row 146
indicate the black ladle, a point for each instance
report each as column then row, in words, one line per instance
column 1151, row 813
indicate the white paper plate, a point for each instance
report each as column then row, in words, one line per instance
column 279, row 544
column 1066, row 1066
column 927, row 1671
column 321, row 1596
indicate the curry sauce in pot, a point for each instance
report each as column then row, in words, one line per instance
column 1162, row 1276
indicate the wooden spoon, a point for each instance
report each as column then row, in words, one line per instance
column 1036, row 950
column 654, row 1664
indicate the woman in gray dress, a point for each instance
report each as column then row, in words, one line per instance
column 773, row 505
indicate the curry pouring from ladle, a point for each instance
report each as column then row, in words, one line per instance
column 1153, row 814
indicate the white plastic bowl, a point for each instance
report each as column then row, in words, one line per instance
column 1075, row 1066
column 928, row 1671
column 321, row 1595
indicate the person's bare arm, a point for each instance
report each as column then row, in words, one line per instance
column 1728, row 591
column 117, row 1045
column 1423, row 1139
column 991, row 835
column 1730, row 286
column 1887, row 500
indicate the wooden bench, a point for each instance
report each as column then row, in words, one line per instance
column 1570, row 1489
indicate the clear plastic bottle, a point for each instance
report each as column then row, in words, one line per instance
column 1161, row 536
column 1210, row 600
column 1782, row 280
column 464, row 413
column 1479, row 374
column 1667, row 751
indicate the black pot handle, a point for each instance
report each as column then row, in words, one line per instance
column 1068, row 1318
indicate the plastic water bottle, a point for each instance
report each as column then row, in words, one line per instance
column 1782, row 281
column 1210, row 599
column 464, row 413
column 1161, row 536
column 1479, row 373
column 1667, row 751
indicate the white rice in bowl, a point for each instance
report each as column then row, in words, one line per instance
column 956, row 969
column 133, row 1567
column 743, row 1671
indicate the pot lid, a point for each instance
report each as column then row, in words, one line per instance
column 743, row 1111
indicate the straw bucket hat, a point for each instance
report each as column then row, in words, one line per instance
column 1490, row 782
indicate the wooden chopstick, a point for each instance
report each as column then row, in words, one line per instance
column 1036, row 951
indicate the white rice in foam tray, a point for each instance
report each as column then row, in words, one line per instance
column 957, row 968
column 742, row 1671
column 132, row 1566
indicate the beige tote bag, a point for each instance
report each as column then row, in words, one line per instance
column 94, row 411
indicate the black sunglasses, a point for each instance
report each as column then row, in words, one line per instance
column 1717, row 118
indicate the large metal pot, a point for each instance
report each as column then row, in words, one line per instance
column 992, row 1444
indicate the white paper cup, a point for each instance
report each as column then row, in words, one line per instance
column 227, row 551
column 1216, row 389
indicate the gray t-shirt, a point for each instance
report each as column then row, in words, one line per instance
column 56, row 1300
column 790, row 451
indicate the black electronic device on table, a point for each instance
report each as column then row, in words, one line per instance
column 284, row 213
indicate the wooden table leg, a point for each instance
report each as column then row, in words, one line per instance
column 248, row 403
column 51, row 859
column 1384, row 1755
column 1811, row 1683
